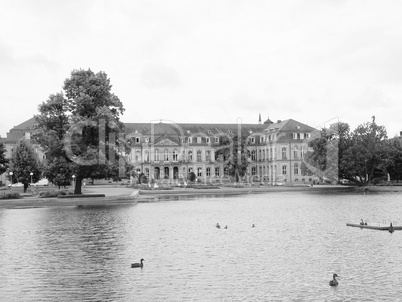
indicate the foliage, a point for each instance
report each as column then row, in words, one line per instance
column 192, row 177
column 10, row 195
column 142, row 179
column 394, row 158
column 53, row 193
column 365, row 154
column 23, row 162
column 3, row 159
column 80, row 130
column 233, row 151
column 326, row 151
column 360, row 156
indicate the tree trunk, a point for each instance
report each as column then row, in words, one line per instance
column 78, row 184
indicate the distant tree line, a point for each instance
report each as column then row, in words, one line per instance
column 362, row 156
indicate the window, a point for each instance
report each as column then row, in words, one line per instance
column 208, row 172
column 190, row 155
column 156, row 155
column 284, row 169
column 253, row 171
column 175, row 155
column 199, row 140
column 199, row 171
column 208, row 155
column 261, row 139
column 137, row 155
column 208, row 140
column 137, row 140
column 294, row 135
column 216, row 139
column 307, row 135
column 301, row 135
column 166, row 155
column 253, row 140
column 199, row 159
column 230, row 132
column 146, row 155
column 190, row 140
column 253, row 157
column 283, row 152
column 296, row 169
column 147, row 172
column 295, row 153
column 217, row 171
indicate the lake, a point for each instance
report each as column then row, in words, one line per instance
column 298, row 242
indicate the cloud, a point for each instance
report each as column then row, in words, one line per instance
column 159, row 76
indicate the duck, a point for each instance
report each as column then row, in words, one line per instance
column 226, row 227
column 361, row 222
column 218, row 226
column 253, row 226
column 334, row 282
column 138, row 264
column 391, row 228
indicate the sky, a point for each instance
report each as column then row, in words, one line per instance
column 218, row 61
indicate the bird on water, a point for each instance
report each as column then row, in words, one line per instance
column 334, row 282
column 218, row 226
column 138, row 264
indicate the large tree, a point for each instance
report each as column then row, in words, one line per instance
column 366, row 153
column 24, row 161
column 3, row 159
column 82, row 126
column 358, row 156
column 326, row 151
column 233, row 152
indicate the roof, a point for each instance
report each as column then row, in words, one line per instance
column 289, row 126
column 187, row 129
column 29, row 124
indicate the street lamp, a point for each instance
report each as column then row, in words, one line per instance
column 73, row 181
column 11, row 178
column 31, row 177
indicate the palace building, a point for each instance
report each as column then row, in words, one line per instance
column 172, row 151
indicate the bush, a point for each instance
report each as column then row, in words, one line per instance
column 13, row 195
column 55, row 193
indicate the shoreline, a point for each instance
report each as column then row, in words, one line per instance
column 124, row 195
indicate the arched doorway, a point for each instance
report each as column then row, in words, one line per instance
column 166, row 173
column 157, row 173
column 175, row 173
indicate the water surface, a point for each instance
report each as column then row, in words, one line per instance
column 300, row 240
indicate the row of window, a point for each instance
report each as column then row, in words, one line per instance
column 199, row 171
column 296, row 169
column 252, row 140
column 174, row 156
column 270, row 153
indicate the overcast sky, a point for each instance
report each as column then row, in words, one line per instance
column 210, row 61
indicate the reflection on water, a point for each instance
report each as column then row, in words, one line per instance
column 300, row 240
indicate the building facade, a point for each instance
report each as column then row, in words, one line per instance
column 168, row 151
column 173, row 151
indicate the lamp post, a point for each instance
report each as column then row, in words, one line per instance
column 73, row 181
column 31, row 182
column 11, row 178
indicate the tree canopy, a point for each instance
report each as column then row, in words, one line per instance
column 233, row 152
column 24, row 161
column 3, row 159
column 358, row 156
column 80, row 130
